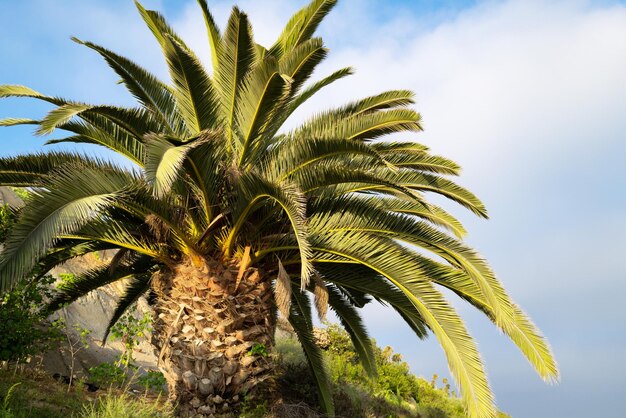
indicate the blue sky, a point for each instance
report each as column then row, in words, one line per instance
column 528, row 96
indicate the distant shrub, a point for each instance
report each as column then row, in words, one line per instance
column 395, row 392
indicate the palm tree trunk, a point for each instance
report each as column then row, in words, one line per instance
column 212, row 336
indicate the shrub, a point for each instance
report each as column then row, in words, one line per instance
column 7, row 219
column 107, row 374
column 24, row 330
column 130, row 331
column 152, row 380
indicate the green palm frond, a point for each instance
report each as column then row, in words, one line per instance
column 12, row 90
column 309, row 92
column 521, row 330
column 358, row 278
column 263, row 93
column 299, row 64
column 302, row 25
column 144, row 86
column 351, row 321
column 254, row 190
column 101, row 132
column 60, row 116
column 397, row 264
column 18, row 121
column 81, row 284
column 193, row 88
column 69, row 249
column 363, row 126
column 235, row 57
column 136, row 287
column 300, row 320
column 164, row 162
column 213, row 30
column 159, row 27
column 68, row 202
column 31, row 170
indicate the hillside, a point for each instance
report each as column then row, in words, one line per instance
column 394, row 393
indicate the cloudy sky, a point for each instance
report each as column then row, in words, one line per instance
column 528, row 96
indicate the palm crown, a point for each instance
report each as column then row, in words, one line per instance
column 327, row 207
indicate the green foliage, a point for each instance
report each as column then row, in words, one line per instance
column 7, row 218
column 258, row 349
column 289, row 351
column 152, row 380
column 24, row 330
column 37, row 395
column 107, row 374
column 21, row 192
column 130, row 330
column 5, row 410
column 252, row 409
column 395, row 392
column 66, row 278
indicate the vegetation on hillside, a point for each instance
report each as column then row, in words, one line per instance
column 395, row 392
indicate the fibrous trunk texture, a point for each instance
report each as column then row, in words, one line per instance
column 212, row 335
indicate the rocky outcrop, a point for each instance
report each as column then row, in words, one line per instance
column 93, row 312
column 8, row 197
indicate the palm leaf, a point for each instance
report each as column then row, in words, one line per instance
column 235, row 57
column 300, row 320
column 302, row 25
column 73, row 197
column 136, row 287
column 215, row 38
column 351, row 321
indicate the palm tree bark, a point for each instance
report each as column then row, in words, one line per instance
column 204, row 330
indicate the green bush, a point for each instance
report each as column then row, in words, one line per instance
column 24, row 330
column 152, row 380
column 7, row 219
column 394, row 392
column 107, row 374
column 130, row 331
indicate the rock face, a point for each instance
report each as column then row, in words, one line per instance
column 8, row 197
column 93, row 312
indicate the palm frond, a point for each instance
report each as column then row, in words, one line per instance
column 300, row 63
column 70, row 199
column 254, row 190
column 193, row 88
column 136, row 287
column 300, row 320
column 164, row 161
column 262, row 94
column 235, row 57
column 144, row 86
column 302, row 25
column 215, row 38
column 352, row 322
column 397, row 265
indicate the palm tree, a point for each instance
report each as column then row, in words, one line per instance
column 223, row 219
